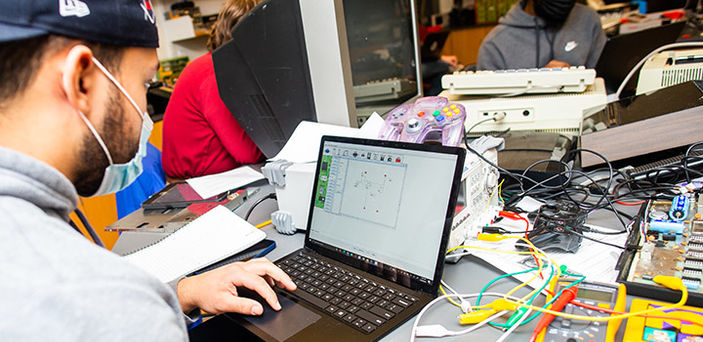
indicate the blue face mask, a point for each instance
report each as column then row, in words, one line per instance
column 119, row 176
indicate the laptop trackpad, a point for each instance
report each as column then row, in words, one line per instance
column 283, row 324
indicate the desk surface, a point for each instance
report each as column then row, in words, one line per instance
column 469, row 275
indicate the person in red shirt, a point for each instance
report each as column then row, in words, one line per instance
column 200, row 135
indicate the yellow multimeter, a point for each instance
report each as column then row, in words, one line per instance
column 607, row 296
column 657, row 329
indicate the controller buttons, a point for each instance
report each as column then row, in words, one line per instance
column 440, row 118
column 421, row 114
column 449, row 114
column 413, row 126
column 452, row 106
column 435, row 113
column 445, row 109
column 456, row 111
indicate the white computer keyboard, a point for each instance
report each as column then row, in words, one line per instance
column 519, row 81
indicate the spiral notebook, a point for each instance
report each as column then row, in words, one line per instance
column 213, row 236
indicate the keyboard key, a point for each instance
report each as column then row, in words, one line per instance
column 381, row 312
column 350, row 318
column 344, row 305
column 357, row 301
column 312, row 299
column 331, row 309
column 360, row 322
column 373, row 299
column 353, row 309
column 389, row 296
column 368, row 328
column 395, row 308
column 348, row 297
column 366, row 305
column 335, row 301
column 382, row 303
column 340, row 313
column 402, row 302
column 370, row 317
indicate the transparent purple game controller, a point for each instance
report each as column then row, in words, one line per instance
column 418, row 122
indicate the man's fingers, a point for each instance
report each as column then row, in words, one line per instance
column 258, row 284
column 244, row 306
column 263, row 267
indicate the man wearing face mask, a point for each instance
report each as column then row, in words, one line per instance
column 543, row 33
column 72, row 121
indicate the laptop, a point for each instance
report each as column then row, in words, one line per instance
column 379, row 222
column 621, row 53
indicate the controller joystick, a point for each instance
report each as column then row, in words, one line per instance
column 426, row 120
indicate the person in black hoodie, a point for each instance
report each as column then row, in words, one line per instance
column 543, row 33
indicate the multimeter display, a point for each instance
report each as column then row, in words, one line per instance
column 595, row 295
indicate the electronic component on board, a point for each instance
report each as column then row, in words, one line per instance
column 672, row 246
column 679, row 208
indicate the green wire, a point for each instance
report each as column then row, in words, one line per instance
column 480, row 294
column 535, row 315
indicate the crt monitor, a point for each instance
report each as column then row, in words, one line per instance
column 331, row 61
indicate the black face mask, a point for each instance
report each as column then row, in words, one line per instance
column 553, row 12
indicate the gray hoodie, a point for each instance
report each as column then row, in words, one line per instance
column 55, row 285
column 523, row 41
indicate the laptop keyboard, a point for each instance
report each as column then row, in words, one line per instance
column 361, row 303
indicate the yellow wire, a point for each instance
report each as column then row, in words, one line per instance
column 263, row 224
column 500, row 190
column 684, row 298
column 441, row 289
column 541, row 265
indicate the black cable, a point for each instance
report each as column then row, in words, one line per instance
column 595, row 240
column 269, row 196
column 596, row 231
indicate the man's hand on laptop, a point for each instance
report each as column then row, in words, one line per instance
column 216, row 291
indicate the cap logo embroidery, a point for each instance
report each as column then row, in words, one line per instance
column 76, row 8
column 148, row 11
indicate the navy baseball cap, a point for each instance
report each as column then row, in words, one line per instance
column 116, row 22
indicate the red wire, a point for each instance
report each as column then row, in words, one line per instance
column 630, row 203
column 516, row 216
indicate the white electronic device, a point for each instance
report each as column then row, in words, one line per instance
column 520, row 81
column 669, row 68
column 560, row 113
column 386, row 89
column 478, row 202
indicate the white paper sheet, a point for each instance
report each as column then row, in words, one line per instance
column 215, row 235
column 304, row 143
column 211, row 185
column 594, row 260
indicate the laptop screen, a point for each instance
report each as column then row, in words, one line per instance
column 385, row 207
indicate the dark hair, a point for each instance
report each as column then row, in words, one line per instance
column 21, row 60
column 229, row 15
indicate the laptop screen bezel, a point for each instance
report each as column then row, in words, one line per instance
column 460, row 154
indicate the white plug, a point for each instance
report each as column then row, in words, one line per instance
column 499, row 116
column 433, row 330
